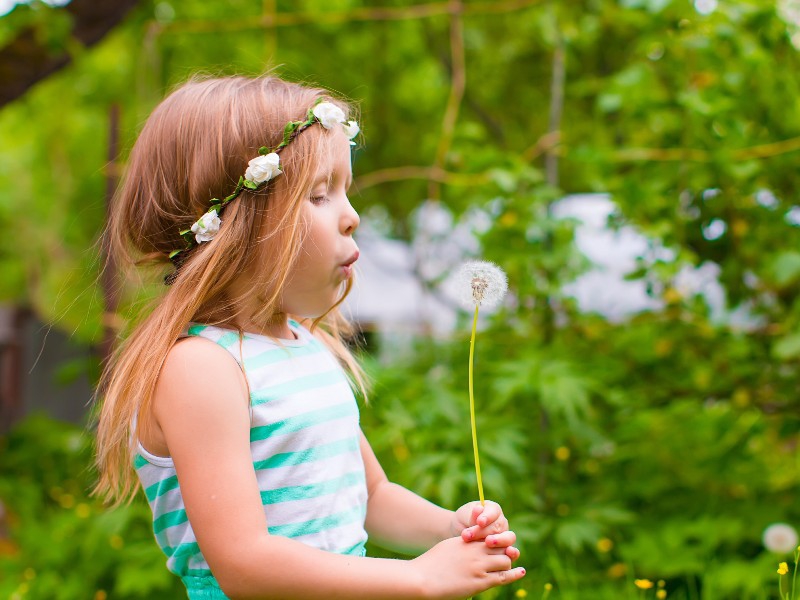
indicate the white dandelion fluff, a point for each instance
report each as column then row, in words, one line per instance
column 480, row 283
column 780, row 538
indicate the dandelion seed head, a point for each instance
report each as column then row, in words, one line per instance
column 480, row 283
column 780, row 538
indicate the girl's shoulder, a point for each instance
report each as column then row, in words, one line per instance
column 197, row 349
column 199, row 380
column 196, row 366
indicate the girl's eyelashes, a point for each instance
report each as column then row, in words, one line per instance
column 316, row 200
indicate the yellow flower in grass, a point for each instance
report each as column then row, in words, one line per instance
column 643, row 584
column 783, row 568
column 604, row 545
column 617, row 570
column 661, row 594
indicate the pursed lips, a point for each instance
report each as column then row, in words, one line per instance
column 347, row 266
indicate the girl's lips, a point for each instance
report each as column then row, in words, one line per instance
column 347, row 266
column 352, row 259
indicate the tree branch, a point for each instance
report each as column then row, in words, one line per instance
column 26, row 60
column 458, row 83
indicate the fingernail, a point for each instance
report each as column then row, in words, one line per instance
column 523, row 571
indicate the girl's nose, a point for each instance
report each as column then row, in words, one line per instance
column 350, row 219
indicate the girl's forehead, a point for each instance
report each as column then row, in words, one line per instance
column 330, row 176
column 337, row 164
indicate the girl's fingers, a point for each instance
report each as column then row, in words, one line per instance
column 490, row 512
column 477, row 509
column 501, row 540
column 476, row 532
column 499, row 562
column 509, row 576
column 512, row 552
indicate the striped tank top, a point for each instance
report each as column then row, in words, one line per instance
column 304, row 440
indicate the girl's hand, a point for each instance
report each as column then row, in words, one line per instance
column 475, row 522
column 488, row 523
column 456, row 569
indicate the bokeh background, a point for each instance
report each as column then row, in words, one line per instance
column 632, row 165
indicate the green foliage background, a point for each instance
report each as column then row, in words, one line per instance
column 673, row 435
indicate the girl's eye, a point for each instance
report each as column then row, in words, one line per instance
column 318, row 199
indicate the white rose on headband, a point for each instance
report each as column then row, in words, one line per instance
column 328, row 114
column 206, row 227
column 351, row 129
column 263, row 168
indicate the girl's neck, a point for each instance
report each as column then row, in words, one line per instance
column 277, row 327
column 240, row 296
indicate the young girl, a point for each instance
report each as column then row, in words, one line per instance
column 230, row 399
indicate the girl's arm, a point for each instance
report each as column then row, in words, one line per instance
column 201, row 409
column 400, row 520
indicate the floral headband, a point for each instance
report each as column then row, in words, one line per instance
column 263, row 168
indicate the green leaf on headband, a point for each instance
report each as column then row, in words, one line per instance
column 250, row 185
column 263, row 150
column 185, row 231
column 174, row 253
column 290, row 128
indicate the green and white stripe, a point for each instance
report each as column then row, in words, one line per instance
column 304, row 440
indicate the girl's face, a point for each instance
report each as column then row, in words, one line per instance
column 328, row 250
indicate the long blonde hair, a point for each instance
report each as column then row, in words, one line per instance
column 194, row 147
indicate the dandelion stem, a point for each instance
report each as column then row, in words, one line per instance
column 472, row 407
column 794, row 575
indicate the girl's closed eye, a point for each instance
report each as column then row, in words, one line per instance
column 317, row 200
